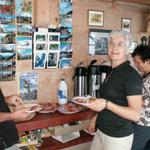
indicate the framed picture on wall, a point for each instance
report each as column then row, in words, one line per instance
column 126, row 24
column 95, row 18
column 98, row 41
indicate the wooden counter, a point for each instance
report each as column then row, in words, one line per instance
column 53, row 119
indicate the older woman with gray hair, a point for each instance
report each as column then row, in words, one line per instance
column 120, row 99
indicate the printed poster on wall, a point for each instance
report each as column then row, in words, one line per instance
column 28, row 85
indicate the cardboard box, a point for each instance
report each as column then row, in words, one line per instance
column 67, row 137
column 67, row 128
column 68, row 132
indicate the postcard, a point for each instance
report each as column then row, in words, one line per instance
column 7, row 65
column 40, row 46
column 7, row 28
column 52, row 59
column 24, row 54
column 65, row 8
column 39, row 60
column 24, row 29
column 7, row 48
column 8, row 56
column 65, row 63
column 24, row 42
column 53, row 36
column 6, row 2
column 7, row 19
column 65, row 55
column 40, row 37
column 7, row 75
column 24, row 8
column 65, row 46
column 54, row 46
column 7, row 38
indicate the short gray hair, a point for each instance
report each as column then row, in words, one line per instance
column 125, row 34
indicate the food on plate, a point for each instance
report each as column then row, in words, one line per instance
column 85, row 100
column 34, row 108
column 48, row 107
column 70, row 107
column 92, row 99
column 29, row 107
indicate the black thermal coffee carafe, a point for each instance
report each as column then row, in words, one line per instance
column 80, row 81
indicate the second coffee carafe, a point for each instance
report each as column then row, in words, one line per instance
column 94, row 80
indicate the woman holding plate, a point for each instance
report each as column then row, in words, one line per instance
column 120, row 99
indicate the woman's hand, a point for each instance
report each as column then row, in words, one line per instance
column 14, row 100
column 97, row 105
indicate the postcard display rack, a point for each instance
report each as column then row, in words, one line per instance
column 15, row 35
column 52, row 47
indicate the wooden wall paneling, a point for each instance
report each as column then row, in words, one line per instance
column 46, row 12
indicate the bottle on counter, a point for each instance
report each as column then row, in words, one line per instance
column 62, row 92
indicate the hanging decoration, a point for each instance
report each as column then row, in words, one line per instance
column 65, row 13
column 7, row 41
column 24, row 29
column 15, row 35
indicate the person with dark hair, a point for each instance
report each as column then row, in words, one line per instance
column 141, row 57
column 120, row 99
column 8, row 132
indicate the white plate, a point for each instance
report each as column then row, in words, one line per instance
column 62, row 109
column 47, row 111
column 33, row 107
column 52, row 108
column 83, row 99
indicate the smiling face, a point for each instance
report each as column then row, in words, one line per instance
column 117, row 50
